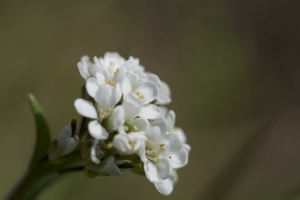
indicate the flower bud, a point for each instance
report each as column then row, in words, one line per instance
column 63, row 145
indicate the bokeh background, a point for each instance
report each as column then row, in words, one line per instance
column 232, row 65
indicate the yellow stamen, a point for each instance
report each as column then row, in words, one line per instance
column 117, row 71
column 134, row 128
column 109, row 146
column 175, row 129
column 162, row 146
column 151, row 152
column 140, row 95
column 131, row 144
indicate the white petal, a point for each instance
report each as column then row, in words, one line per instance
column 116, row 119
column 163, row 99
column 141, row 124
column 92, row 87
column 131, row 110
column 121, row 143
column 104, row 96
column 131, row 64
column 163, row 112
column 171, row 117
column 118, row 94
column 173, row 145
column 97, row 131
column 137, row 145
column 64, row 147
column 85, row 108
column 180, row 159
column 150, row 111
column 100, row 79
column 158, row 128
column 153, row 77
column 164, row 89
column 133, row 99
column 125, row 85
column 187, row 147
column 149, row 90
column 180, row 133
column 94, row 69
column 93, row 152
column 82, row 71
column 142, row 152
column 164, row 94
column 165, row 187
column 164, row 168
column 132, row 76
column 107, row 166
column 83, row 67
column 65, row 133
column 151, row 172
column 135, row 84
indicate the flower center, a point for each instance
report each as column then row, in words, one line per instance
column 117, row 71
column 139, row 95
column 162, row 146
column 128, row 128
column 151, row 150
column 111, row 82
column 104, row 114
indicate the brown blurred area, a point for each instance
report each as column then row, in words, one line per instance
column 234, row 71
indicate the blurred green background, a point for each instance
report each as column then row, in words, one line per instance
column 232, row 65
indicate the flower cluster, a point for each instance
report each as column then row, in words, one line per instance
column 129, row 127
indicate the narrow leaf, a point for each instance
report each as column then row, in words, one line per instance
column 42, row 133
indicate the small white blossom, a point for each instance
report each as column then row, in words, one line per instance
column 164, row 94
column 165, row 187
column 108, row 70
column 64, row 144
column 159, row 146
column 84, row 67
column 106, row 98
column 180, row 159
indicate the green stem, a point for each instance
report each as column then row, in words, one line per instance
column 42, row 176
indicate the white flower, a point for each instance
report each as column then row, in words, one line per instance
column 108, row 70
column 180, row 159
column 106, row 98
column 84, row 67
column 131, row 135
column 127, row 104
column 133, row 65
column 64, row 144
column 164, row 94
column 128, row 144
column 165, row 187
column 157, row 151
column 147, row 91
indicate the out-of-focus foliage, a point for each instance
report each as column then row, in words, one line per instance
column 233, row 67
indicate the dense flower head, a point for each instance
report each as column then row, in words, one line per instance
column 128, row 126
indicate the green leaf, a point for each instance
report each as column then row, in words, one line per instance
column 42, row 133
